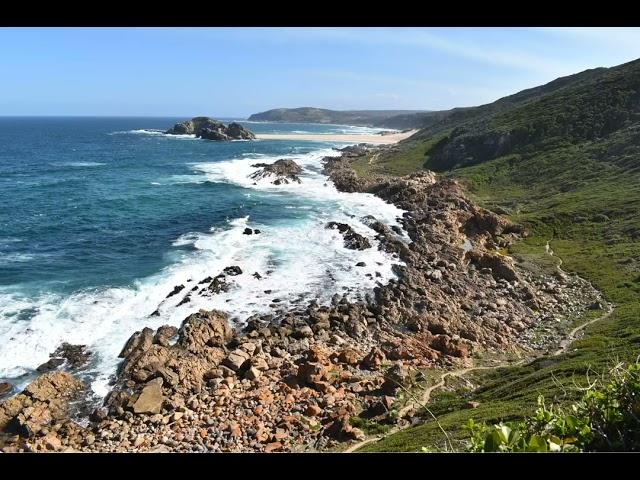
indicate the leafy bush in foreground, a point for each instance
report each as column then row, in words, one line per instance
column 607, row 418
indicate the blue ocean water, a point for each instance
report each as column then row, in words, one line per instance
column 101, row 217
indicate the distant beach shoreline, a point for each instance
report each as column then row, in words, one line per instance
column 377, row 139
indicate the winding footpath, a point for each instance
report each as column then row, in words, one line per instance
column 426, row 394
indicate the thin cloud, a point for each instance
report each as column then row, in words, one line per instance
column 621, row 40
column 428, row 39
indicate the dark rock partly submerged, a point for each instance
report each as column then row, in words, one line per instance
column 210, row 129
column 352, row 239
column 283, row 171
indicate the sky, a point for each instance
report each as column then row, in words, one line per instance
column 234, row 72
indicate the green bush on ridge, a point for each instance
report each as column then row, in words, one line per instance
column 605, row 419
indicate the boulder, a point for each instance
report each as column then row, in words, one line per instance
column 150, row 399
column 373, row 360
column 500, row 266
column 303, row 332
column 352, row 240
column 340, row 429
column 205, row 329
column 236, row 359
column 395, row 377
column 349, row 356
column 5, row 388
column 313, row 410
column 164, row 334
column 238, row 132
column 252, row 374
column 233, row 270
column 177, row 289
column 311, row 373
column 445, row 344
column 218, row 285
column 199, row 348
column 42, row 403
column 50, row 365
column 75, row 355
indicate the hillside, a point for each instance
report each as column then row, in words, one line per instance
column 563, row 159
column 399, row 119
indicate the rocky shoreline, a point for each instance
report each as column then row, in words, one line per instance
column 292, row 381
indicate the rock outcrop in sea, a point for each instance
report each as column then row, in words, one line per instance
column 210, row 129
column 281, row 171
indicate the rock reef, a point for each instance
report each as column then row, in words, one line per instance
column 210, row 129
column 280, row 172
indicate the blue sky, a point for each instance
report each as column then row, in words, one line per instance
column 233, row 72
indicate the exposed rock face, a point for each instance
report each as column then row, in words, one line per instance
column 150, row 399
column 282, row 171
column 233, row 270
column 5, row 388
column 70, row 356
column 41, row 404
column 180, row 367
column 210, row 129
column 352, row 239
column 455, row 299
column 354, row 150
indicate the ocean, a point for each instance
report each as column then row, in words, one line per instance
column 100, row 218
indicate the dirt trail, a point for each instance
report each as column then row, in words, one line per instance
column 373, row 158
column 426, row 394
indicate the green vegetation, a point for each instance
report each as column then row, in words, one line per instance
column 369, row 427
column 573, row 179
column 605, row 419
column 379, row 118
column 410, row 159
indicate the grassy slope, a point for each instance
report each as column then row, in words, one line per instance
column 584, row 196
column 409, row 160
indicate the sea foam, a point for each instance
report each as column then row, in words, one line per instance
column 297, row 260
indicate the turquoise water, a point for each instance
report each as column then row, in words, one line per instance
column 101, row 217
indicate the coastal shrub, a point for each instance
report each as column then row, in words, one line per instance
column 606, row 418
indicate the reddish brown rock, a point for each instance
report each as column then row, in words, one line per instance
column 349, row 356
column 43, row 402
column 373, row 360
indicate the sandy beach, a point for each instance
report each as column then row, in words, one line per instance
column 376, row 139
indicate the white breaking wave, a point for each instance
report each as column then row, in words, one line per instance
column 296, row 261
column 15, row 257
column 155, row 133
column 7, row 258
column 77, row 164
